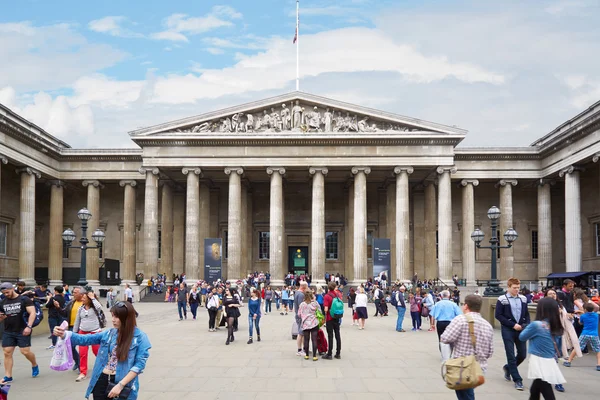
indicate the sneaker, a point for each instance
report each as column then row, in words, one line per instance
column 250, row 341
column 559, row 388
column 506, row 373
column 306, row 357
column 300, row 353
column 414, row 329
column 567, row 364
column 80, row 378
column 35, row 371
column 401, row 330
column 327, row 357
column 315, row 358
column 51, row 347
column 519, row 386
column 6, row 380
column 337, row 357
column 597, row 367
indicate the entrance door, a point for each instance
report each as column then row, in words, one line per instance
column 298, row 260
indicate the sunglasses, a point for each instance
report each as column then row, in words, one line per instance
column 120, row 304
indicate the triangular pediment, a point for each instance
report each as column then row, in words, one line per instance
column 295, row 112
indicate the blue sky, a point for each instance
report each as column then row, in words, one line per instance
column 508, row 72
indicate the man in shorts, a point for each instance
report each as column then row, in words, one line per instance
column 17, row 332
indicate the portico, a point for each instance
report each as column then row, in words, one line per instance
column 267, row 186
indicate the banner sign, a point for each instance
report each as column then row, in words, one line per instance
column 381, row 257
column 212, row 260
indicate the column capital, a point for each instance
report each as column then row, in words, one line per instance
column 131, row 183
column 314, row 170
column 594, row 159
column 400, row 169
column 145, row 170
column 237, row 170
column 272, row 170
column 356, row 170
column 94, row 183
column 195, row 170
column 57, row 183
column 451, row 169
column 466, row 182
column 28, row 171
column 504, row 182
column 543, row 182
column 570, row 169
column 4, row 160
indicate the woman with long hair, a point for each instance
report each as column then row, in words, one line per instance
column 268, row 299
column 123, row 353
column 361, row 307
column 310, row 324
column 254, row 314
column 87, row 322
column 543, row 368
column 415, row 311
column 212, row 305
column 194, row 300
column 231, row 312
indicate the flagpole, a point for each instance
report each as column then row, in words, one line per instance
column 297, row 45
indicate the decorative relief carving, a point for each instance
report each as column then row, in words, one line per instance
column 187, row 170
column 272, row 170
column 473, row 182
column 94, row 183
column 153, row 170
column 441, row 170
column 295, row 117
column 314, row 170
column 408, row 170
column 356, row 170
column 28, row 171
column 237, row 170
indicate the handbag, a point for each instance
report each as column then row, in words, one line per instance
column 464, row 372
column 125, row 392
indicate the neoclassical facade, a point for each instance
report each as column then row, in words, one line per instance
column 300, row 174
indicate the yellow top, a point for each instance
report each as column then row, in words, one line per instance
column 74, row 310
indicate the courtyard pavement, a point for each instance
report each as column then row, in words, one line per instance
column 377, row 363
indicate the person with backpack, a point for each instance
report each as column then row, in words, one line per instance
column 377, row 297
column 90, row 319
column 19, row 316
column 334, row 311
column 399, row 302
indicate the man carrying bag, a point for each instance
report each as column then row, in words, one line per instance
column 471, row 338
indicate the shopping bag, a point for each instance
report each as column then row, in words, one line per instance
column 4, row 392
column 62, row 358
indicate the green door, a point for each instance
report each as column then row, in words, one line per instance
column 298, row 260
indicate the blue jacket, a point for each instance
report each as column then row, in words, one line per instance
column 540, row 339
column 504, row 313
column 136, row 361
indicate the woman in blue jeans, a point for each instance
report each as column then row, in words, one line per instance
column 268, row 299
column 254, row 314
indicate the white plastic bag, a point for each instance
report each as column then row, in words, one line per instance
column 62, row 359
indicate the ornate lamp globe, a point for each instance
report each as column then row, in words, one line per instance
column 477, row 236
column 510, row 235
column 494, row 213
column 68, row 235
column 84, row 214
column 98, row 236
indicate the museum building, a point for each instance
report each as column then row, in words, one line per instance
column 299, row 182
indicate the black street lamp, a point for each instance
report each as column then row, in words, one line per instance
column 493, row 289
column 68, row 237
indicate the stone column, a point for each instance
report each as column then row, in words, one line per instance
column 507, row 267
column 360, row 223
column 150, row 221
column 3, row 160
column 234, row 251
column 93, row 255
column 27, row 225
column 431, row 271
column 544, row 228
column 203, row 224
column 349, row 233
column 572, row 218
column 166, row 230
column 445, row 223
column 390, row 210
column 276, row 225
column 317, row 226
column 129, row 228
column 55, row 244
column 192, row 221
column 468, row 226
column 402, row 223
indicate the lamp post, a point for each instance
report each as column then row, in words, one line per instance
column 493, row 288
column 68, row 237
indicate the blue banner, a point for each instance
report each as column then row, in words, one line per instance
column 212, row 260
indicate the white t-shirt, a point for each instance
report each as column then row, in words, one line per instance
column 129, row 293
column 361, row 300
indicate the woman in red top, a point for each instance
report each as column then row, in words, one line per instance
column 332, row 324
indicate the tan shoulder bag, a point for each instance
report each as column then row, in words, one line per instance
column 464, row 372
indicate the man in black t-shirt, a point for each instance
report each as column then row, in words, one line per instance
column 17, row 332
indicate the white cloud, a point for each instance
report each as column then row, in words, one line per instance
column 568, row 7
column 112, row 25
column 49, row 57
column 180, row 25
column 8, row 97
column 215, row 50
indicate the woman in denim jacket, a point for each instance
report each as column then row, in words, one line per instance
column 124, row 351
column 543, row 369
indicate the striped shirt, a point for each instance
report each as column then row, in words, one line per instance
column 457, row 335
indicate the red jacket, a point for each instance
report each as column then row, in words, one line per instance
column 327, row 300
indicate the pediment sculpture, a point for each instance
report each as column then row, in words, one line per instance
column 296, row 118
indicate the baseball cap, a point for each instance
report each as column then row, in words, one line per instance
column 6, row 285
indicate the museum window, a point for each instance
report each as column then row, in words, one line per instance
column 331, row 245
column 65, row 250
column 369, row 245
column 498, row 251
column 437, row 242
column 225, row 243
column 3, row 237
column 597, row 235
column 263, row 245
column 534, row 245
column 159, row 244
